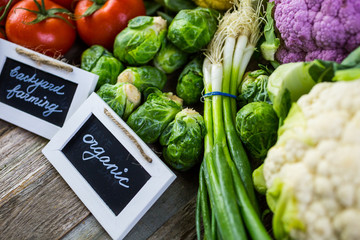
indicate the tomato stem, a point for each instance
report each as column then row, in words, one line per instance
column 100, row 2
column 97, row 4
column 43, row 14
column 6, row 10
column 41, row 7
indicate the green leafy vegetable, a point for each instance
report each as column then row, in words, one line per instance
column 101, row 62
column 259, row 180
column 253, row 88
column 192, row 29
column 291, row 80
column 143, row 77
column 271, row 44
column 152, row 117
column 169, row 58
column 190, row 83
column 138, row 43
column 257, row 124
column 347, row 74
column 352, row 69
column 287, row 83
column 123, row 98
column 353, row 59
column 182, row 140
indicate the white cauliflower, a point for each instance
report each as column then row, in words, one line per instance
column 313, row 171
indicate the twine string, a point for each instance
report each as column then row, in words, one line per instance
column 39, row 60
column 132, row 138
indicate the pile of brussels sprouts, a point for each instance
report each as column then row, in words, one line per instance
column 154, row 52
column 256, row 120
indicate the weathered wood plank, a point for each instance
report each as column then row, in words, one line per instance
column 90, row 229
column 180, row 226
column 16, row 165
column 35, row 202
column 5, row 127
column 43, row 209
column 174, row 199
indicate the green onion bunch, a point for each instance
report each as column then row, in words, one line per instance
column 226, row 202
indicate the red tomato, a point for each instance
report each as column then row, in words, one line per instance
column 102, row 26
column 52, row 36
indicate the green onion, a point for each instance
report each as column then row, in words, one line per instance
column 226, row 167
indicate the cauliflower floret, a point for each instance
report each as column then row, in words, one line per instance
column 313, row 171
column 346, row 223
column 317, row 29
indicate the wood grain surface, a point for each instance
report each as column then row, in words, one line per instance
column 36, row 203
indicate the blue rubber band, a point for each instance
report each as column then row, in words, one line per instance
column 219, row 93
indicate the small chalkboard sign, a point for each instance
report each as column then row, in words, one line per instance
column 113, row 172
column 39, row 93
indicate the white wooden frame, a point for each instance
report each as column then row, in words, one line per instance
column 161, row 176
column 86, row 82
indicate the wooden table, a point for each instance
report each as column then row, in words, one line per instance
column 36, row 203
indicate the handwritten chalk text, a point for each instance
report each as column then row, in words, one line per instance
column 96, row 153
column 35, row 82
column 28, row 94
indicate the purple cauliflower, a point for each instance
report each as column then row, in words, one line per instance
column 317, row 29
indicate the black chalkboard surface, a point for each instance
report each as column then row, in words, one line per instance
column 113, row 172
column 107, row 166
column 36, row 92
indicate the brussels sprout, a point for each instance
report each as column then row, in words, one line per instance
column 253, row 88
column 182, row 140
column 101, row 62
column 170, row 58
column 138, row 43
column 192, row 29
column 143, row 77
column 151, row 118
column 123, row 98
column 257, row 124
column 190, row 83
